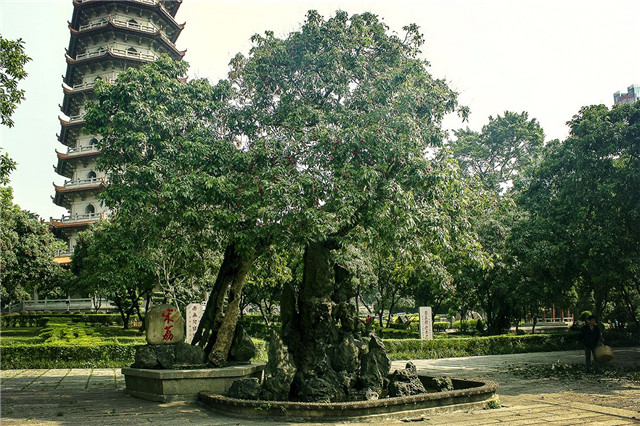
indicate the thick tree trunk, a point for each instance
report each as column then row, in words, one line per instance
column 216, row 329
column 222, row 345
column 321, row 331
column 314, row 305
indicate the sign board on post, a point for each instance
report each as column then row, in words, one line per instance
column 426, row 323
column 194, row 315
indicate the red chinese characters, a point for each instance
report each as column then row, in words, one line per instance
column 168, row 335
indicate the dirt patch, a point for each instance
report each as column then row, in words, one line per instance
column 616, row 386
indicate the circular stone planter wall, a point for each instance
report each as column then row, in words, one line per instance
column 466, row 394
column 184, row 385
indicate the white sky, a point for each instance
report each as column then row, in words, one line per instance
column 546, row 57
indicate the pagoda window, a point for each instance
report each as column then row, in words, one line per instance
column 91, row 175
column 93, row 141
column 90, row 209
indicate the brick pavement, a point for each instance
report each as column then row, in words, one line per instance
column 96, row 397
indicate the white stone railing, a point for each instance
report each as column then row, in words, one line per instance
column 82, row 182
column 82, row 86
column 89, row 84
column 117, row 51
column 92, row 24
column 76, row 118
column 90, row 54
column 87, row 217
column 146, row 27
column 61, row 305
column 83, row 149
column 119, row 21
column 129, row 54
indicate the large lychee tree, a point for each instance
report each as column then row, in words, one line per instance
column 314, row 140
column 348, row 113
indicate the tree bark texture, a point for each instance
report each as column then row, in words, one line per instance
column 321, row 329
column 216, row 329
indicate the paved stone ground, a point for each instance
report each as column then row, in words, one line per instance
column 96, row 397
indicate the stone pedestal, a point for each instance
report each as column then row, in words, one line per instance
column 184, row 385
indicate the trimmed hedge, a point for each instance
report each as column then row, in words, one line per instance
column 67, row 356
column 11, row 320
column 99, row 319
column 497, row 345
column 41, row 320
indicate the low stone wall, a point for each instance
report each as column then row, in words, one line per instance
column 466, row 394
column 184, row 385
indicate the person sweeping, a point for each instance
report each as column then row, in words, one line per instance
column 590, row 336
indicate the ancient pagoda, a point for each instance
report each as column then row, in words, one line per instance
column 107, row 37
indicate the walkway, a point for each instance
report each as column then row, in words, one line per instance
column 96, row 397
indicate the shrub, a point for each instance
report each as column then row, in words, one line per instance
column 473, row 346
column 255, row 326
column 98, row 319
column 465, row 325
column 440, row 326
column 394, row 333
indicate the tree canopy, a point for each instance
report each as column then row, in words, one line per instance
column 12, row 61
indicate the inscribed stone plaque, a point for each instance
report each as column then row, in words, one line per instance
column 164, row 325
column 194, row 315
column 426, row 323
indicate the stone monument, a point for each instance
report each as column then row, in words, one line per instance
column 426, row 323
column 194, row 313
column 164, row 325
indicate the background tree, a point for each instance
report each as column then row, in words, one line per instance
column 585, row 194
column 506, row 147
column 108, row 261
column 263, row 289
column 27, row 249
column 12, row 62
column 172, row 267
column 501, row 150
column 171, row 158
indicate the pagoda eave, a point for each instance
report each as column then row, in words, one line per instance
column 169, row 16
column 112, row 26
column 73, row 156
column 70, row 123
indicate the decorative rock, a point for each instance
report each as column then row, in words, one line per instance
column 317, row 389
column 188, row 355
column 370, row 395
column 166, row 355
column 367, row 394
column 164, row 325
column 146, row 357
column 405, row 383
column 242, row 347
column 375, row 365
column 345, row 355
column 245, row 388
column 279, row 371
column 443, row 384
